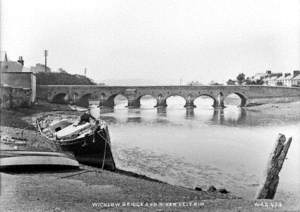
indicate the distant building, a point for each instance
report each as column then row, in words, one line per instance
column 15, row 76
column 280, row 79
column 295, row 81
column 284, row 80
column 214, row 83
column 259, row 76
column 7, row 65
column 24, row 80
column 271, row 78
column 194, row 83
column 39, row 68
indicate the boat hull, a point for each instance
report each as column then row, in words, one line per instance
column 17, row 160
column 93, row 149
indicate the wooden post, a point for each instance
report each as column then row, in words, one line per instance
column 274, row 166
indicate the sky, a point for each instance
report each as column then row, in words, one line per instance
column 154, row 41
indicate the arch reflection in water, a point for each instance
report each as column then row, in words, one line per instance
column 120, row 101
column 223, row 117
column 134, row 119
column 161, row 111
column 190, row 113
column 147, row 101
column 134, row 115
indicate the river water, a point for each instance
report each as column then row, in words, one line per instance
column 226, row 148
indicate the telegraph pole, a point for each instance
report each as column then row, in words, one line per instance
column 46, row 55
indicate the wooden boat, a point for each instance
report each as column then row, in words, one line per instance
column 20, row 160
column 90, row 143
column 77, row 108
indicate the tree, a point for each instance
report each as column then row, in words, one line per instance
column 61, row 70
column 230, row 82
column 61, row 78
column 240, row 78
column 259, row 81
column 248, row 81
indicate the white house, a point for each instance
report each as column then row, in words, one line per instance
column 295, row 81
column 271, row 80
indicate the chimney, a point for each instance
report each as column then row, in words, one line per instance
column 287, row 74
column 268, row 72
column 21, row 61
column 296, row 73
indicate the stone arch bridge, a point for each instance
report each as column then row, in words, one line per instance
column 249, row 95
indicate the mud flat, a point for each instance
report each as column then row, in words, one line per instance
column 282, row 111
column 92, row 189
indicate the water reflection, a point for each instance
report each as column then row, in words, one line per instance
column 204, row 114
column 227, row 116
column 162, row 111
column 221, row 116
column 190, row 114
column 134, row 119
column 208, row 135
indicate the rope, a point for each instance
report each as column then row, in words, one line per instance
column 85, row 171
column 104, row 154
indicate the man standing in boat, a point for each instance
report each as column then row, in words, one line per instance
column 85, row 118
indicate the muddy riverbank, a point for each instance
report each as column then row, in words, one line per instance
column 90, row 189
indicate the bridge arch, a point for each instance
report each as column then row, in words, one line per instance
column 83, row 101
column 149, row 99
column 205, row 100
column 175, row 99
column 111, row 99
column 242, row 98
column 60, row 98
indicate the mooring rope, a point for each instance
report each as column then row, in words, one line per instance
column 104, row 154
column 82, row 172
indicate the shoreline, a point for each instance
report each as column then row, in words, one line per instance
column 14, row 121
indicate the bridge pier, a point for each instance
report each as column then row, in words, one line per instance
column 73, row 98
column 133, row 103
column 106, row 103
column 189, row 104
column 161, row 102
column 219, row 102
column 219, row 105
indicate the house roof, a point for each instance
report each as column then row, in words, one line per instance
column 289, row 77
column 272, row 78
column 281, row 78
column 297, row 77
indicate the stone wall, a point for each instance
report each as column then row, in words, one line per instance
column 25, row 80
column 15, row 97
